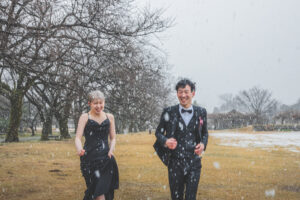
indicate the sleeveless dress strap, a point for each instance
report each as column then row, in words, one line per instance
column 107, row 117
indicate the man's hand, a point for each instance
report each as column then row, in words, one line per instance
column 171, row 143
column 199, row 149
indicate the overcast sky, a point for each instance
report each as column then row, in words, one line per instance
column 229, row 45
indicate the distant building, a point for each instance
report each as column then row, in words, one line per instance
column 232, row 119
column 287, row 117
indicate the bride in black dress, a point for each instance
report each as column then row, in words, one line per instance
column 97, row 163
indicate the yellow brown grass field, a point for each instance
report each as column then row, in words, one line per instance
column 50, row 170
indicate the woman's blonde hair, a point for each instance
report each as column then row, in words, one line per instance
column 96, row 94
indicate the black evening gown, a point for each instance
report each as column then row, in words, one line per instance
column 99, row 171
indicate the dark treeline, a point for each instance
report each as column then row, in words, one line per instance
column 52, row 53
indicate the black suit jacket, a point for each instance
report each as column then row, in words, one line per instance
column 167, row 128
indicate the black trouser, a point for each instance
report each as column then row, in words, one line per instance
column 184, row 177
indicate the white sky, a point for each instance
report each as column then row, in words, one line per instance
column 230, row 45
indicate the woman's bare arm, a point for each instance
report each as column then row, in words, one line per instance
column 112, row 134
column 80, row 128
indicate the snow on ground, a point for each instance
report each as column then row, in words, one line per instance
column 268, row 141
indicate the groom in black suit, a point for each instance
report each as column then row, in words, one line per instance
column 181, row 138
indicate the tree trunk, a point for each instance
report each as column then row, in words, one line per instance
column 63, row 121
column 130, row 128
column 33, row 124
column 75, row 121
column 117, row 126
column 47, row 126
column 78, row 109
column 63, row 127
column 15, row 117
column 32, row 130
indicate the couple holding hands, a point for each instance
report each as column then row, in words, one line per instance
column 181, row 137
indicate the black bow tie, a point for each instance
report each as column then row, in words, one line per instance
column 189, row 111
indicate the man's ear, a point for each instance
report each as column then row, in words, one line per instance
column 193, row 93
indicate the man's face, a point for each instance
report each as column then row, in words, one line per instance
column 185, row 96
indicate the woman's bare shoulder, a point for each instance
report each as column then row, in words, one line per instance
column 84, row 117
column 110, row 116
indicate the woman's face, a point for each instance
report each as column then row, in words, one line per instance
column 97, row 105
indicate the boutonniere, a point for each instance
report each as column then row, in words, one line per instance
column 200, row 121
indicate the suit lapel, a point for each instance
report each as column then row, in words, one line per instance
column 195, row 117
column 181, row 123
column 196, row 112
column 173, row 121
column 198, row 126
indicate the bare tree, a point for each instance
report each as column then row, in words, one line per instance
column 38, row 37
column 258, row 102
column 117, row 57
column 30, row 117
column 229, row 103
column 27, row 48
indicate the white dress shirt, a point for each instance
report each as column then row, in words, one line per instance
column 186, row 116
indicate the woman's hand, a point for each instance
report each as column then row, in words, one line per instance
column 110, row 154
column 81, row 153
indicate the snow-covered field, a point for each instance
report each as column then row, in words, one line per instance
column 268, row 141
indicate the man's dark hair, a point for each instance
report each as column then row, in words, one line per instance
column 182, row 83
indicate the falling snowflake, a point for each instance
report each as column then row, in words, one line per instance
column 180, row 126
column 166, row 117
column 97, row 173
column 185, row 171
column 217, row 165
column 270, row 193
